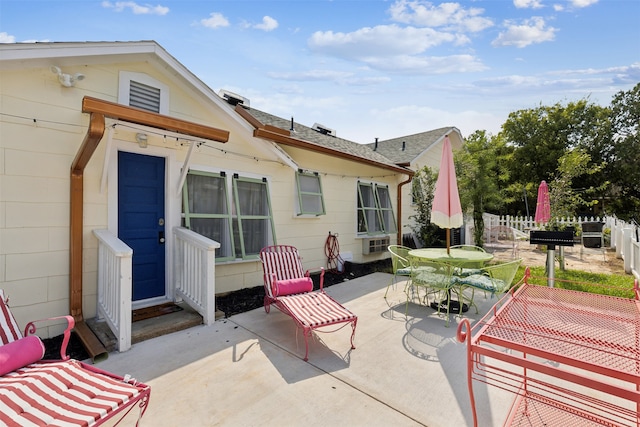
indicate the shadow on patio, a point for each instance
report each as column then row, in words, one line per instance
column 248, row 369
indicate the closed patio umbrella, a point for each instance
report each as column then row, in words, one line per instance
column 543, row 204
column 446, row 211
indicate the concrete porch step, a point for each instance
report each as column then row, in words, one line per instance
column 149, row 328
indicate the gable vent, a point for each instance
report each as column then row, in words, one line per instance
column 233, row 98
column 144, row 96
column 323, row 129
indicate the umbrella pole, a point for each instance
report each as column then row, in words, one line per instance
column 448, row 240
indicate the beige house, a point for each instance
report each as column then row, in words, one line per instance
column 415, row 152
column 126, row 182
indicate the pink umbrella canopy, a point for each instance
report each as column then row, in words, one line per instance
column 446, row 211
column 543, row 204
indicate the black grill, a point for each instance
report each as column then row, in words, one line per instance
column 551, row 238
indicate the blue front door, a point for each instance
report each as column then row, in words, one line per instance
column 141, row 220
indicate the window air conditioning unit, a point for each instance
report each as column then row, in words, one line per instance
column 375, row 245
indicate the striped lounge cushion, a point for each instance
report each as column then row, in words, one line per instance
column 63, row 393
column 9, row 330
column 316, row 309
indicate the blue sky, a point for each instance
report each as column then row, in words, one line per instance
column 371, row 68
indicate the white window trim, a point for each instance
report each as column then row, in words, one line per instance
column 229, row 183
column 124, row 86
column 297, row 202
column 360, row 234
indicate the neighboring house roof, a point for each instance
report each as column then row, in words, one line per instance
column 406, row 149
column 315, row 140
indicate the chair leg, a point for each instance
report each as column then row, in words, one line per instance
column 390, row 284
column 353, row 333
column 306, row 333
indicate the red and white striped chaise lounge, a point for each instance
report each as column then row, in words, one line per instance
column 290, row 289
column 64, row 392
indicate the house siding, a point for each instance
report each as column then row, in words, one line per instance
column 35, row 161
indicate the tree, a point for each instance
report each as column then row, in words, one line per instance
column 422, row 189
column 622, row 168
column 543, row 135
column 480, row 171
column 565, row 201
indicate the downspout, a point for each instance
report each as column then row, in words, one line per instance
column 91, row 343
column 399, row 202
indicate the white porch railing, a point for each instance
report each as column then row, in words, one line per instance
column 194, row 271
column 114, row 286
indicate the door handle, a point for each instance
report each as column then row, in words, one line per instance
column 161, row 237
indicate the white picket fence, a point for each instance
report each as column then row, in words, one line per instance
column 525, row 224
column 626, row 240
column 624, row 236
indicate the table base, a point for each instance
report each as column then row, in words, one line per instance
column 454, row 306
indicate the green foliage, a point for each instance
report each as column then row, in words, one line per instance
column 480, row 172
column 608, row 143
column 565, row 200
column 422, row 189
column 624, row 154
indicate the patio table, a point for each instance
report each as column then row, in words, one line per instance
column 458, row 258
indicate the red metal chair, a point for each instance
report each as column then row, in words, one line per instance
column 58, row 392
column 290, row 288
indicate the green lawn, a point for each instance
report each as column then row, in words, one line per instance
column 607, row 284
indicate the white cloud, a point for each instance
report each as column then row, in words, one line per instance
column 379, row 41
column 531, row 31
column 338, row 77
column 527, row 4
column 6, row 38
column 451, row 16
column 311, row 75
column 574, row 4
column 268, row 24
column 215, row 20
column 137, row 9
column 428, row 64
column 392, row 48
column 582, row 3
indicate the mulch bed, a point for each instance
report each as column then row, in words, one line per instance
column 251, row 298
column 235, row 303
column 75, row 349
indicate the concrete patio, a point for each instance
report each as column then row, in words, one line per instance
column 247, row 370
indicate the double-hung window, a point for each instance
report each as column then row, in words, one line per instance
column 310, row 198
column 253, row 223
column 235, row 212
column 375, row 212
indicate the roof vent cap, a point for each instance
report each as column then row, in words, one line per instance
column 323, row 129
column 233, row 98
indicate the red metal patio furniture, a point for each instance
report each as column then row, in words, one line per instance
column 569, row 357
column 290, row 288
column 58, row 392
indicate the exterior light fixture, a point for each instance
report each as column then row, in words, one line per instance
column 142, row 139
column 66, row 80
